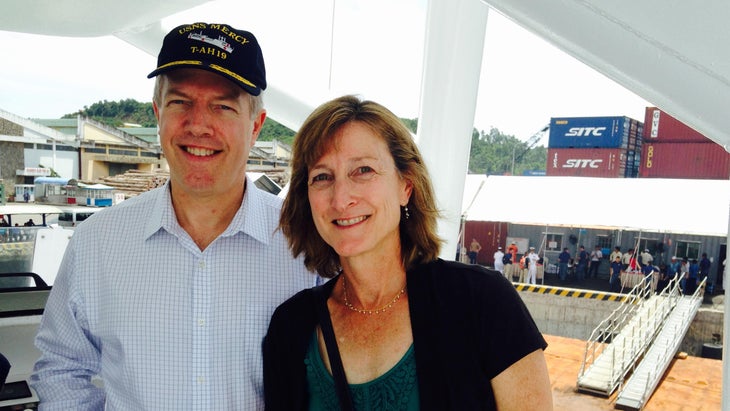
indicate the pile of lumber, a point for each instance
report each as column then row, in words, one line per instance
column 135, row 182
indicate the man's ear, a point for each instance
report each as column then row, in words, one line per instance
column 258, row 124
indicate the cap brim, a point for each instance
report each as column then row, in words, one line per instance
column 248, row 86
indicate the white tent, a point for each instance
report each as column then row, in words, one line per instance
column 648, row 204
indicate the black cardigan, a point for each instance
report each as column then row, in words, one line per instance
column 469, row 324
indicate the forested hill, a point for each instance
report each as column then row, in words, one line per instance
column 491, row 152
column 130, row 111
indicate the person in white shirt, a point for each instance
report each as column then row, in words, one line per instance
column 532, row 266
column 498, row 263
column 596, row 256
column 616, row 252
column 166, row 297
column 646, row 258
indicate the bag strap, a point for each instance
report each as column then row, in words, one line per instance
column 338, row 371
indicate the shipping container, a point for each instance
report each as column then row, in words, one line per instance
column 595, row 132
column 660, row 127
column 685, row 160
column 587, row 162
column 490, row 235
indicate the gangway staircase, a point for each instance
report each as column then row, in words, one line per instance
column 646, row 376
column 619, row 341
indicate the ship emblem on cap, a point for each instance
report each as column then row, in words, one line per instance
column 219, row 42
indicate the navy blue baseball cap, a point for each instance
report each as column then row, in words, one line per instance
column 218, row 48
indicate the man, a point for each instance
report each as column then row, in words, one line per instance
column 563, row 260
column 596, row 256
column 626, row 258
column 167, row 296
column 646, row 258
column 614, row 280
column 581, row 264
column 616, row 252
column 705, row 264
column 532, row 266
column 474, row 249
column 498, row 263
column 691, row 276
column 508, row 266
column 674, row 268
column 513, row 250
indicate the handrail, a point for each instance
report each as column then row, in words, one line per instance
column 655, row 373
column 602, row 336
column 667, row 302
column 633, row 325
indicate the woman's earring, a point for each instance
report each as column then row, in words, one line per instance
column 406, row 210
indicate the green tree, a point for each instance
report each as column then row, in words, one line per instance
column 498, row 153
column 117, row 113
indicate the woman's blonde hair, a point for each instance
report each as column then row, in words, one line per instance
column 418, row 228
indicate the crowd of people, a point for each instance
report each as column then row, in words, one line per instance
column 528, row 268
column 584, row 265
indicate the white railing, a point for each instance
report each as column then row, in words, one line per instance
column 648, row 373
column 619, row 341
column 600, row 357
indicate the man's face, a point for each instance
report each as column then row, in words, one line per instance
column 206, row 132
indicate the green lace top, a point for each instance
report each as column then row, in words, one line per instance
column 397, row 389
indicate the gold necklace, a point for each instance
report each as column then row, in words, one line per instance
column 370, row 312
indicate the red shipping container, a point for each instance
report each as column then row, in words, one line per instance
column 490, row 234
column 660, row 127
column 685, row 160
column 586, row 162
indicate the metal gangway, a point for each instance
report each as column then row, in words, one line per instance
column 618, row 342
column 647, row 374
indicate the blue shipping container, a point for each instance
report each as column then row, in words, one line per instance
column 593, row 132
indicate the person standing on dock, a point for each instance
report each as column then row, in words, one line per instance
column 474, row 249
column 498, row 263
column 532, row 266
column 563, row 260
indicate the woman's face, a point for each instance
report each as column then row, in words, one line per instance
column 356, row 193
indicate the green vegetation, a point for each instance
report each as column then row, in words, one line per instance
column 497, row 153
column 116, row 113
column 491, row 153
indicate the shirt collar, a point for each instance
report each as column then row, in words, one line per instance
column 245, row 220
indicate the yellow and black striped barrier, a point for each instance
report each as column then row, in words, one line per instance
column 570, row 292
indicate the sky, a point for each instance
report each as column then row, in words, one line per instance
column 370, row 47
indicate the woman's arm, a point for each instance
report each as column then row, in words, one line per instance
column 525, row 385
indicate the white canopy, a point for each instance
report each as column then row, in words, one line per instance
column 647, row 204
column 28, row 208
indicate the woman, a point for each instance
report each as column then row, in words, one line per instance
column 412, row 331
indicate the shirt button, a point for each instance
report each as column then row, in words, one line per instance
column 201, row 264
column 200, row 379
column 201, row 322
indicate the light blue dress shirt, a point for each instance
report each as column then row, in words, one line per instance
column 164, row 325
